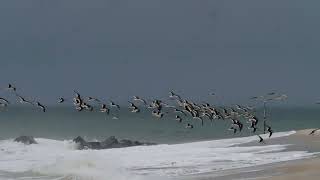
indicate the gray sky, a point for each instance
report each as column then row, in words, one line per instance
column 115, row 49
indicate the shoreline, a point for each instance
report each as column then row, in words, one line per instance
column 291, row 166
column 305, row 168
column 300, row 169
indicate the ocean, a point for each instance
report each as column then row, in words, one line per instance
column 180, row 152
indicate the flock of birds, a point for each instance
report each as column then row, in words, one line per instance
column 182, row 109
column 4, row 102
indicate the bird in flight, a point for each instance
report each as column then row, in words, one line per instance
column 22, row 100
column 261, row 140
column 43, row 108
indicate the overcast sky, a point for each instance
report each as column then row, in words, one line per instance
column 116, row 49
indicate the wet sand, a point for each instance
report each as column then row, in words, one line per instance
column 303, row 169
column 306, row 169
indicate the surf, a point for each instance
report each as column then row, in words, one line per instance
column 60, row 159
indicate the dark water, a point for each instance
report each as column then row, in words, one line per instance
column 65, row 123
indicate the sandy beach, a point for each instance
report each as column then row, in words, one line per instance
column 303, row 169
column 307, row 169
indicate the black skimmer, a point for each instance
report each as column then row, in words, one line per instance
column 104, row 109
column 270, row 131
column 43, row 108
column 261, row 140
column 178, row 118
column 61, row 100
column 112, row 104
column 314, row 131
column 11, row 87
column 189, row 126
column 86, row 106
column 157, row 114
column 4, row 100
column 133, row 107
column 22, row 100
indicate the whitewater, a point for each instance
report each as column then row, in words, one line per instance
column 53, row 159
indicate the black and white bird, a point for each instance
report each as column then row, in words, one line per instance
column 112, row 104
column 270, row 131
column 237, row 123
column 157, row 114
column 133, row 108
column 104, row 109
column 22, row 100
column 86, row 106
column 189, row 126
column 314, row 131
column 43, row 108
column 77, row 100
column 11, row 87
column 61, row 100
column 178, row 118
column 77, row 95
column 254, row 120
column 253, row 127
column 261, row 140
column 4, row 100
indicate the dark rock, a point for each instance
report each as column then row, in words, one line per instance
column 149, row 144
column 111, row 142
column 82, row 144
column 126, row 143
column 137, row 143
column 79, row 140
column 94, row 145
column 26, row 140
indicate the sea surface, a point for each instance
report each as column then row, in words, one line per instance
column 180, row 152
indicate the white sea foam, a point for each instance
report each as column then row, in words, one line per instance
column 60, row 159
